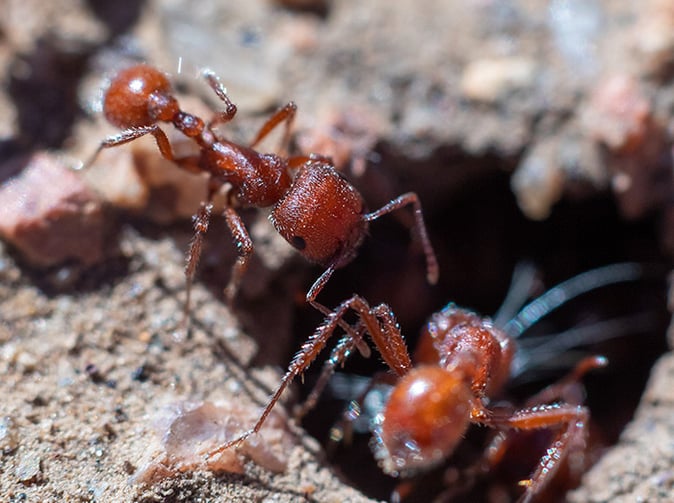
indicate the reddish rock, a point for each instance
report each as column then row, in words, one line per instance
column 50, row 215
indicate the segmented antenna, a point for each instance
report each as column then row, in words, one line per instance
column 567, row 290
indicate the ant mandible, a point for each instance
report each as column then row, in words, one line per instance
column 313, row 206
column 462, row 361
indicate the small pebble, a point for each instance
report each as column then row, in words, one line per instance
column 9, row 434
column 29, row 468
column 488, row 80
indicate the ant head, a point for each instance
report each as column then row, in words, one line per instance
column 322, row 216
column 426, row 416
column 139, row 96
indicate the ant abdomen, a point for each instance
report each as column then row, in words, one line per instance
column 425, row 418
column 322, row 215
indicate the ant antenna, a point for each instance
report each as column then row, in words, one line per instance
column 546, row 350
column 519, row 291
column 569, row 289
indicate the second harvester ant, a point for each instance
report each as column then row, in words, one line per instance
column 462, row 363
column 313, row 206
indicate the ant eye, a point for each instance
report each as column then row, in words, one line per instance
column 298, row 242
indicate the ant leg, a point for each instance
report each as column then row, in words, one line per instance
column 362, row 346
column 318, row 285
column 568, row 388
column 339, row 355
column 400, row 364
column 311, row 299
column 230, row 108
column 391, row 338
column 190, row 163
column 285, row 114
column 201, row 221
column 244, row 246
column 464, row 479
column 343, row 429
column 133, row 134
column 399, row 202
column 570, row 440
column 297, row 161
column 380, row 324
column 243, row 243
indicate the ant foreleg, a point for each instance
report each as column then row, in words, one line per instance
column 399, row 202
column 244, row 247
column 391, row 339
column 383, row 329
column 339, row 355
column 318, row 285
column 315, row 345
column 132, row 134
column 285, row 114
column 362, row 346
column 311, row 299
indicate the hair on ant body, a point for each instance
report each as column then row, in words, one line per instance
column 462, row 362
column 312, row 205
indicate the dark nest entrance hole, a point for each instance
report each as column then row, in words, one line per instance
column 480, row 235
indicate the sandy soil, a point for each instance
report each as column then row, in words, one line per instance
column 526, row 127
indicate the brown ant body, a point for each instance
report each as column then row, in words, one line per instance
column 462, row 362
column 313, row 207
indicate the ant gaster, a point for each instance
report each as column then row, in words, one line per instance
column 462, row 361
column 313, row 206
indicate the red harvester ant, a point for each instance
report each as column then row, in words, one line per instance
column 313, row 206
column 463, row 361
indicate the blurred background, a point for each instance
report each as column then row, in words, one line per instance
column 532, row 130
